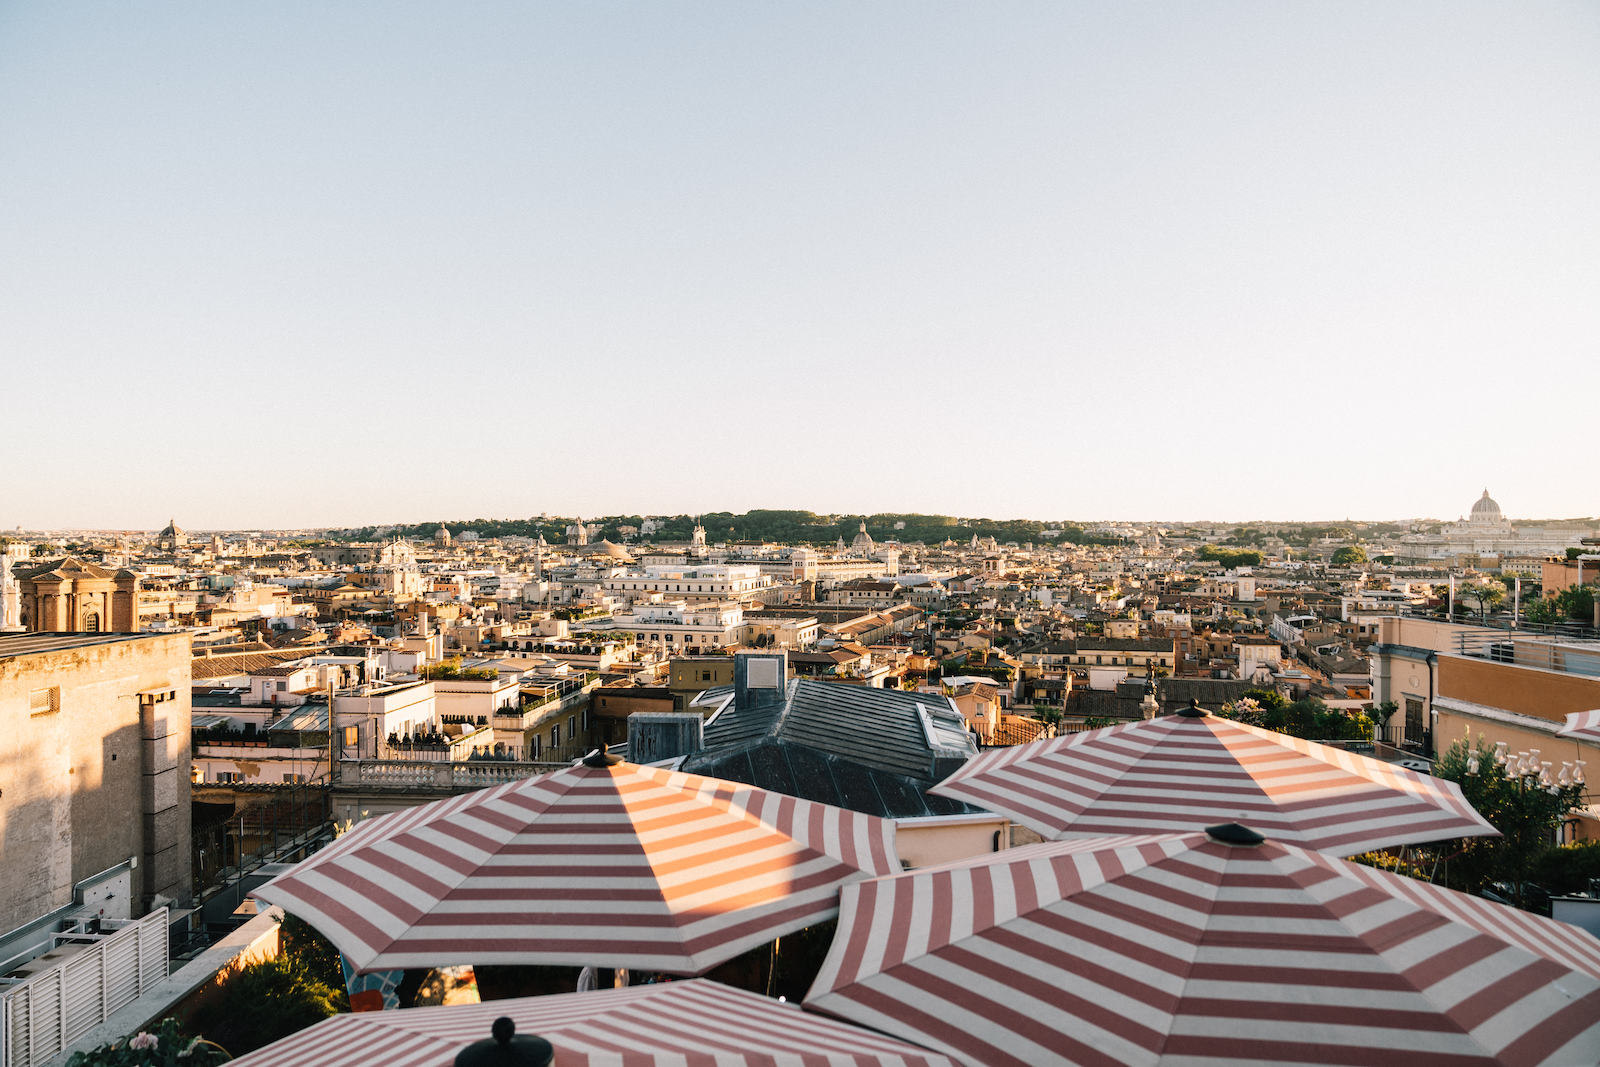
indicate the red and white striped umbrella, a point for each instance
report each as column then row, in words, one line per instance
column 1193, row 770
column 679, row 1023
column 1207, row 947
column 616, row 865
column 1583, row 725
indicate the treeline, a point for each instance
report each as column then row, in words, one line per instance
column 762, row 524
column 1230, row 557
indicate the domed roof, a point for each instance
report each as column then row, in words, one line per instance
column 172, row 529
column 1486, row 510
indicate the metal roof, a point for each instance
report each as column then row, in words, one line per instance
column 914, row 734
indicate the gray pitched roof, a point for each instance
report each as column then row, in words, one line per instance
column 870, row 750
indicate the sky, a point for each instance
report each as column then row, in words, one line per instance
column 294, row 265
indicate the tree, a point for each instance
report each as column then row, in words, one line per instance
column 1349, row 556
column 1486, row 594
column 1308, row 717
column 1526, row 812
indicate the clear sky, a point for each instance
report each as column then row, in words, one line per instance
column 279, row 264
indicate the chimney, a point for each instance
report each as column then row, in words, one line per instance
column 759, row 679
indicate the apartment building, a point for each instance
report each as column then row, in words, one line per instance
column 1449, row 680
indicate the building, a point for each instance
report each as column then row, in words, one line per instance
column 871, row 750
column 74, row 596
column 689, row 676
column 94, row 767
column 1448, row 680
column 696, row 583
column 1486, row 532
column 676, row 626
column 12, row 557
column 172, row 537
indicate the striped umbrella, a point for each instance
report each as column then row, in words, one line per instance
column 680, row 1023
column 1583, row 725
column 605, row 863
column 1192, row 770
column 1209, row 947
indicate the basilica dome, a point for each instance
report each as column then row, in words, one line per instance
column 1486, row 510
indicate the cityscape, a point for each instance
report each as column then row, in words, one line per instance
column 695, row 533
column 247, row 694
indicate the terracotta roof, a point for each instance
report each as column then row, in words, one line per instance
column 205, row 667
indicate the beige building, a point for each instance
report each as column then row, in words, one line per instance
column 1501, row 685
column 74, row 596
column 94, row 767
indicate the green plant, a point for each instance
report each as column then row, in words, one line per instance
column 299, row 941
column 1569, row 868
column 1309, row 717
column 1349, row 555
column 1526, row 813
column 164, row 1046
column 1387, row 861
column 265, row 1001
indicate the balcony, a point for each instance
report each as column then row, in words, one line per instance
column 1518, row 648
column 437, row 776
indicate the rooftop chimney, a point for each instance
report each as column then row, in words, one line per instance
column 759, row 679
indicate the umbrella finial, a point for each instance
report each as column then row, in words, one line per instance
column 1231, row 833
column 506, row 1049
column 601, row 757
column 1194, row 710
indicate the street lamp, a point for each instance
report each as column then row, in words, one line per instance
column 1534, row 780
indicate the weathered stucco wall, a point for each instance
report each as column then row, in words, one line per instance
column 94, row 768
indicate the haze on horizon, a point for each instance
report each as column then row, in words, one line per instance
column 292, row 266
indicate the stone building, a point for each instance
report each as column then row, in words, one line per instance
column 74, row 596
column 94, row 767
column 172, row 537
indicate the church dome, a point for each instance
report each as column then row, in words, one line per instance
column 612, row 549
column 172, row 529
column 1486, row 510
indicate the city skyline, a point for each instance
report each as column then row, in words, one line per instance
column 293, row 266
column 835, row 516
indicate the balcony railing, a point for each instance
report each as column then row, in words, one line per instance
column 1519, row 648
column 445, row 777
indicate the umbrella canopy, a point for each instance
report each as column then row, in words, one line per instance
column 1583, row 725
column 605, row 863
column 692, row 1022
column 1208, row 947
column 1193, row 770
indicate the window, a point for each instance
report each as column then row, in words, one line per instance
column 227, row 777
column 283, row 686
column 44, row 701
column 352, row 736
column 555, row 736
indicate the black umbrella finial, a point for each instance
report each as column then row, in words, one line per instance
column 1194, row 710
column 506, row 1049
column 1231, row 833
column 601, row 757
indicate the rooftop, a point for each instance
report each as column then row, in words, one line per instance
column 35, row 643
